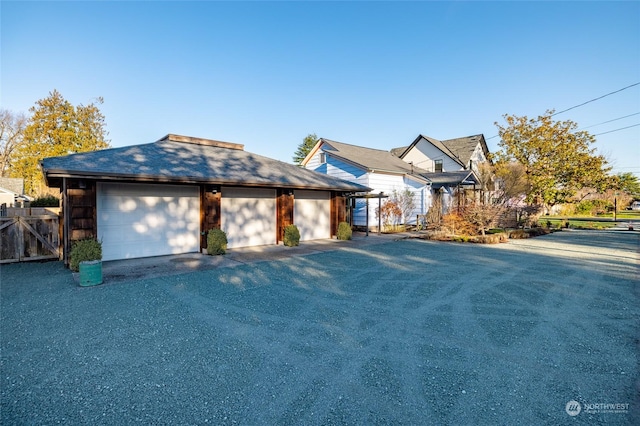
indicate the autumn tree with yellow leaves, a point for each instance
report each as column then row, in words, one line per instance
column 558, row 159
column 56, row 128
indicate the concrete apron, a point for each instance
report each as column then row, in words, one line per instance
column 150, row 267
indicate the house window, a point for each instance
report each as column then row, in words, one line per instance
column 323, row 158
column 438, row 166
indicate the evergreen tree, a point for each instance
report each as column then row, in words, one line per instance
column 304, row 148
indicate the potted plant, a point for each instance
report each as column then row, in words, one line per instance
column 86, row 257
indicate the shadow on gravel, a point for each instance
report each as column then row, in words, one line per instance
column 406, row 332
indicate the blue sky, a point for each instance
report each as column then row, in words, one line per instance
column 377, row 74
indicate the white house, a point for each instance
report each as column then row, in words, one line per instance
column 429, row 168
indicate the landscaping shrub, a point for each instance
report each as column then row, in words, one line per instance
column 489, row 239
column 456, row 224
column 536, row 232
column 46, row 201
column 592, row 207
column 518, row 234
column 344, row 231
column 291, row 236
column 84, row 250
column 216, row 242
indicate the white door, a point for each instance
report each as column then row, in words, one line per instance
column 141, row 220
column 248, row 216
column 312, row 214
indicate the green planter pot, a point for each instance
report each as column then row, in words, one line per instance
column 90, row 273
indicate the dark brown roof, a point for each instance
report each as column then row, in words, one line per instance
column 190, row 160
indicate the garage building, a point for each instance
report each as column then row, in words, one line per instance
column 161, row 198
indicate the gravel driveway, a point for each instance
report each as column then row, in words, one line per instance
column 404, row 332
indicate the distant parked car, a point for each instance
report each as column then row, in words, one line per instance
column 635, row 205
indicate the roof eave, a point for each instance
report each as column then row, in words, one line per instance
column 52, row 176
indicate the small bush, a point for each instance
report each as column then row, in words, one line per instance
column 46, row 201
column 518, row 234
column 216, row 242
column 536, row 232
column 489, row 239
column 344, row 231
column 84, row 250
column 291, row 236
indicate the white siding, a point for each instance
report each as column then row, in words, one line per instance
column 7, row 198
column 388, row 183
column 424, row 154
column 477, row 157
column 336, row 168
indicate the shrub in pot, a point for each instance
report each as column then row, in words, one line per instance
column 86, row 257
column 85, row 250
column 344, row 231
column 291, row 236
column 216, row 242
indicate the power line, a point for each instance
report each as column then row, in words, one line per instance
column 609, row 121
column 595, row 99
column 616, row 130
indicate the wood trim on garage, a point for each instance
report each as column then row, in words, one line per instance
column 284, row 211
column 79, row 212
column 210, row 197
column 338, row 211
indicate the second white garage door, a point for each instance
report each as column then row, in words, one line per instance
column 248, row 216
column 140, row 220
column 312, row 214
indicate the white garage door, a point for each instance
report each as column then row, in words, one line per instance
column 312, row 214
column 140, row 220
column 248, row 216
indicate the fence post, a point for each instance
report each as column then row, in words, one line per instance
column 20, row 239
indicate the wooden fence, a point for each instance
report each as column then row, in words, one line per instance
column 25, row 238
column 29, row 211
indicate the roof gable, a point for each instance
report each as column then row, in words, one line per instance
column 459, row 150
column 463, row 148
column 191, row 160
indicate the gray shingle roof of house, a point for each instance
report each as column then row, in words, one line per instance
column 399, row 151
column 464, row 147
column 369, row 158
column 174, row 159
column 459, row 149
column 15, row 185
